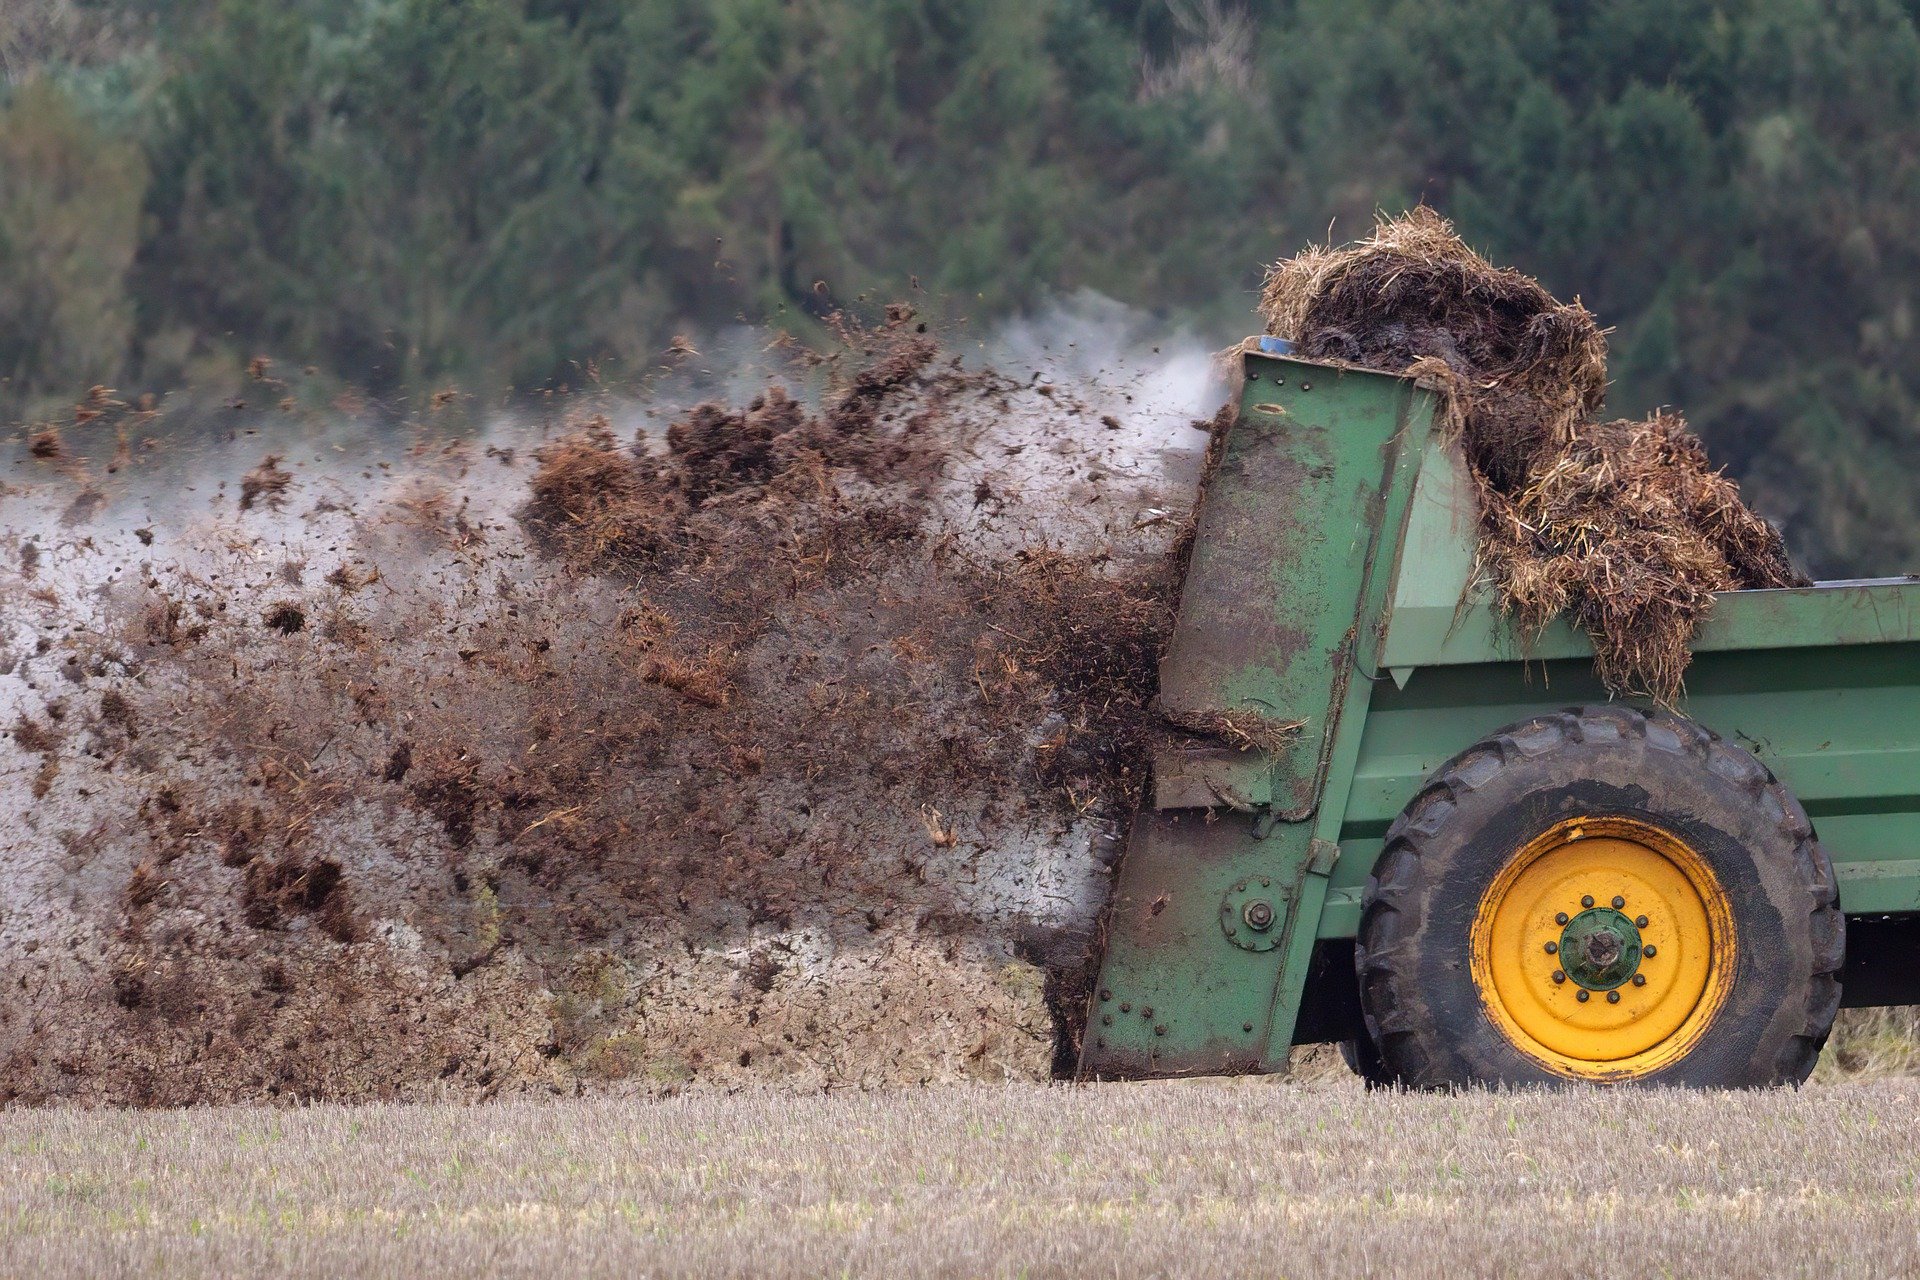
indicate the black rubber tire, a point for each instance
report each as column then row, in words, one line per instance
column 1363, row 1059
column 1417, row 992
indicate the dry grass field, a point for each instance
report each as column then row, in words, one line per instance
column 1311, row 1177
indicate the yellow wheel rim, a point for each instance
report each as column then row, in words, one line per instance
column 1604, row 949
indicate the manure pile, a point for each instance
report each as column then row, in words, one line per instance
column 1622, row 525
column 787, row 744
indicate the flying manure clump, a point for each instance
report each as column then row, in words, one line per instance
column 1622, row 525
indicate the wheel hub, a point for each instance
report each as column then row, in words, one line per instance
column 1600, row 949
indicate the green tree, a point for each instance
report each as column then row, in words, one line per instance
column 69, row 223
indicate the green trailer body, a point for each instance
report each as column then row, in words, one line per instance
column 1332, row 584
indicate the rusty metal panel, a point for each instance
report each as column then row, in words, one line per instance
column 1212, row 921
column 1286, row 533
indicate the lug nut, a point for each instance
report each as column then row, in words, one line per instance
column 1639, row 979
column 1650, row 951
column 1552, row 947
column 1587, row 901
column 1613, row 997
column 1618, row 902
column 1640, row 922
column 1558, row 976
column 1561, row 918
column 1585, row 996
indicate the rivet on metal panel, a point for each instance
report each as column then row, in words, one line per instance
column 1160, row 1030
column 1106, row 1019
column 1147, row 1012
column 1126, row 1006
column 1105, row 994
column 1246, row 1026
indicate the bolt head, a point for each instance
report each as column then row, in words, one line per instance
column 1649, row 951
column 1146, row 1011
column 1105, row 994
column 1639, row 922
column 1160, row 1030
column 1639, row 979
column 1126, row 1006
column 1258, row 914
column 1552, row 947
column 1246, row 1026
column 1613, row 997
column 1561, row 918
column 1585, row 995
column 1559, row 976
column 1106, row 1019
column 1618, row 902
column 1587, row 901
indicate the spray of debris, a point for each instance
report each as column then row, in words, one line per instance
column 788, row 743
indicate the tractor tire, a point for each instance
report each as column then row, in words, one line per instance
column 1605, row 896
column 1363, row 1059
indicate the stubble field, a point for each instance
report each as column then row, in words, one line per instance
column 1307, row 1177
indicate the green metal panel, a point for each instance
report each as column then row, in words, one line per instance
column 1297, row 539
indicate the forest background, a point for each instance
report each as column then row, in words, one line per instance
column 510, row 196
